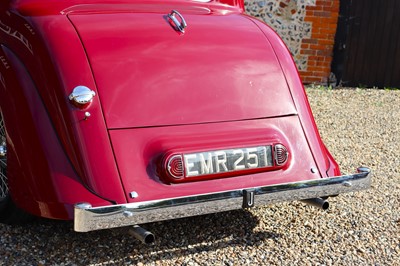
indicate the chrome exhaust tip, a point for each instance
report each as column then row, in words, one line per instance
column 317, row 202
column 142, row 235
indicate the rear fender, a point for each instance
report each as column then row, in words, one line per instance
column 87, row 142
column 56, row 63
column 41, row 178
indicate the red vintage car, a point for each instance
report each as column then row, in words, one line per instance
column 123, row 112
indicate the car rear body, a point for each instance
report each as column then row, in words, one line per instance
column 194, row 108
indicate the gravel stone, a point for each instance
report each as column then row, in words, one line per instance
column 359, row 127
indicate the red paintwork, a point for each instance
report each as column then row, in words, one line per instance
column 152, row 143
column 198, row 78
column 229, row 81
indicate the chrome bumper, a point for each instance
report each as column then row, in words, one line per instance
column 87, row 218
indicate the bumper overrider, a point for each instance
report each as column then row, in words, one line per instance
column 88, row 218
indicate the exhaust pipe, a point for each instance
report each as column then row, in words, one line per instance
column 142, row 235
column 317, row 202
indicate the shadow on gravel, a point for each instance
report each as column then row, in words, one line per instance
column 55, row 242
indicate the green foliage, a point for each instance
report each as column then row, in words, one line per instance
column 391, row 89
column 320, row 87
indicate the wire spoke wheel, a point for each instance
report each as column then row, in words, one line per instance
column 3, row 161
column 9, row 212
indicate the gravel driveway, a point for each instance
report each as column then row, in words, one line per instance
column 360, row 127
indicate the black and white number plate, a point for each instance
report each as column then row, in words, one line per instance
column 230, row 160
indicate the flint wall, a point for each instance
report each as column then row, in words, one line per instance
column 307, row 27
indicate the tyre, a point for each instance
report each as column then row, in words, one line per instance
column 9, row 213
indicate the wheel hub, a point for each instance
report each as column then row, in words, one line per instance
column 3, row 151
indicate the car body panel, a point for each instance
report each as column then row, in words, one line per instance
column 192, row 78
column 139, row 161
column 76, row 135
column 53, row 68
column 321, row 154
column 46, row 7
column 37, row 164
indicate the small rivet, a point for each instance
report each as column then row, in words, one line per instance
column 87, row 115
column 133, row 194
column 347, row 184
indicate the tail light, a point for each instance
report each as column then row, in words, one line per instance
column 281, row 154
column 175, row 167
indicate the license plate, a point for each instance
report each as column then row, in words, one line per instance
column 225, row 161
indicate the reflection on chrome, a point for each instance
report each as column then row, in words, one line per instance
column 82, row 95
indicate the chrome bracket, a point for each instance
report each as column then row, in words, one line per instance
column 248, row 198
column 180, row 24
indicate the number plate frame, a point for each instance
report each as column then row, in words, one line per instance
column 195, row 165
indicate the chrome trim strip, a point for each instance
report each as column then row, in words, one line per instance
column 89, row 219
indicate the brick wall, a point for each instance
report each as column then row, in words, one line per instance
column 319, row 47
column 307, row 27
